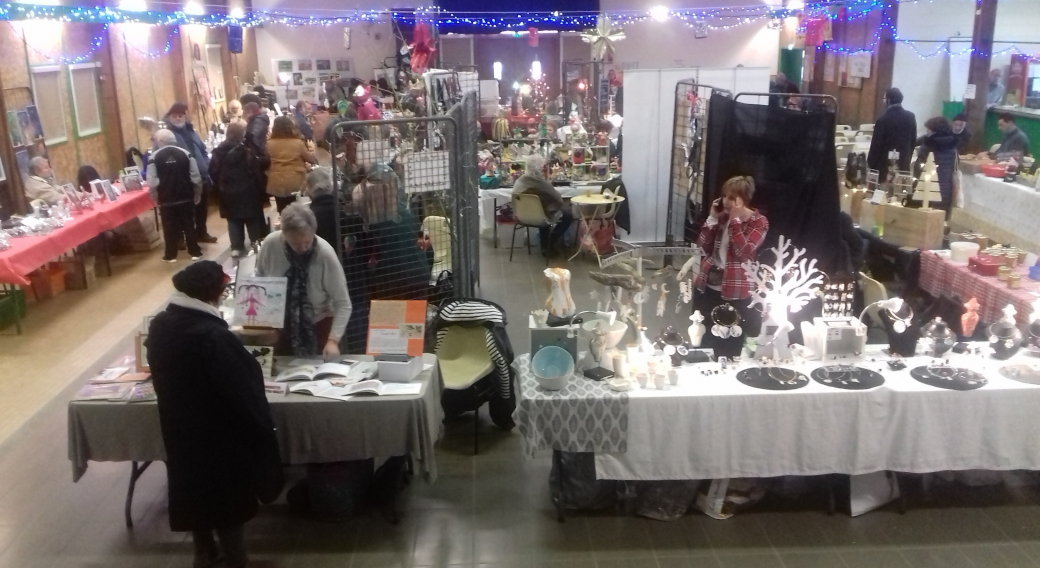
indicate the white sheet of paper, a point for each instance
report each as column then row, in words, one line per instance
column 969, row 93
column 389, row 341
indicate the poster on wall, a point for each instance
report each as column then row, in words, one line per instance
column 859, row 64
column 346, row 37
column 34, row 120
column 14, row 129
column 829, row 60
column 22, row 158
column 343, row 65
column 305, row 65
column 323, row 64
column 283, row 66
column 297, row 79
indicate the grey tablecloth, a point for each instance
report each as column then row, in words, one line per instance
column 310, row 429
column 585, row 416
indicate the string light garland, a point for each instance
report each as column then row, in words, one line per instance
column 95, row 45
column 714, row 18
column 157, row 54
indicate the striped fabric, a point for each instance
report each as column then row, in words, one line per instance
column 479, row 313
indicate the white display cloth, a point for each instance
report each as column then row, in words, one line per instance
column 1012, row 207
column 716, row 427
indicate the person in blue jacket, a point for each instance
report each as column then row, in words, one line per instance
column 176, row 120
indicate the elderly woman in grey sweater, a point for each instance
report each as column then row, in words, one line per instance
column 317, row 305
column 533, row 181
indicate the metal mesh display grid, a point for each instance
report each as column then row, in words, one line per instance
column 689, row 135
column 408, row 227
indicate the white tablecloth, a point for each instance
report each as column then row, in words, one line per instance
column 1009, row 206
column 716, row 427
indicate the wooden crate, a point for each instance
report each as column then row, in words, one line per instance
column 870, row 215
column 916, row 228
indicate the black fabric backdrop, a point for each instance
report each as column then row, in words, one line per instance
column 790, row 154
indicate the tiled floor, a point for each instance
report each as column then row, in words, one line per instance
column 490, row 510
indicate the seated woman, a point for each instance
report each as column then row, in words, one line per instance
column 41, row 185
column 317, row 305
column 730, row 236
column 84, row 176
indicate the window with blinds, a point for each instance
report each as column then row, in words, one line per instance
column 46, row 82
column 85, row 108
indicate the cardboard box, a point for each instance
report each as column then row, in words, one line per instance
column 917, row 228
column 403, row 372
column 79, row 273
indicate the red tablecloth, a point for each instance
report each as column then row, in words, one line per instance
column 940, row 276
column 29, row 253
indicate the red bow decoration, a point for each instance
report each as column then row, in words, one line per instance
column 422, row 48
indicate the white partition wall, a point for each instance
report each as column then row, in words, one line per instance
column 649, row 116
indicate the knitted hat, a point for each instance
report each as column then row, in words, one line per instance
column 961, row 117
column 178, row 108
column 203, row 280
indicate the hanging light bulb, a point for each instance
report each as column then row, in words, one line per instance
column 659, row 13
column 516, row 85
column 194, row 8
column 536, row 70
column 497, row 70
column 237, row 13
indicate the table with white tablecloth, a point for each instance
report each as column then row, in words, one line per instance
column 1011, row 207
column 310, row 429
column 490, row 199
column 715, row 427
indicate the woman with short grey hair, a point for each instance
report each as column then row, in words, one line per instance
column 317, row 306
column 237, row 174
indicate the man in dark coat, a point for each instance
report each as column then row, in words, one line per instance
column 221, row 449
column 895, row 129
column 175, row 184
column 176, row 120
column 237, row 174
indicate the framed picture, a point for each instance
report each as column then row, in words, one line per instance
column 97, row 188
column 305, row 65
column 284, row 66
column 297, row 79
column 323, row 64
column 132, row 182
column 343, row 65
column 14, row 128
column 141, row 353
column 260, row 302
column 131, row 170
column 73, row 196
column 28, row 132
column 34, row 120
column 22, row 158
column 109, row 191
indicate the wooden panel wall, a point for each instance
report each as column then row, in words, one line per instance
column 862, row 105
column 145, row 86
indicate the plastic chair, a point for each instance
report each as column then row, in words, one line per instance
column 863, row 137
column 866, row 128
column 439, row 231
column 464, row 361
column 840, row 140
column 527, row 209
column 842, row 128
column 873, row 291
column 861, row 147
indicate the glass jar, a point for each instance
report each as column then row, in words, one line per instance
column 1002, row 273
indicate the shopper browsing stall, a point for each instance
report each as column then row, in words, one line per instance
column 731, row 235
column 289, row 157
column 940, row 142
column 237, row 175
column 222, row 453
column 175, row 184
column 177, row 122
column 895, row 130
column 317, row 305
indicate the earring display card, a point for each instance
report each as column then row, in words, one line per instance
column 946, row 377
column 772, row 378
column 847, row 377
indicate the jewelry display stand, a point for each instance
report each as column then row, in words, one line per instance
column 772, row 378
column 848, row 377
column 946, row 377
column 1028, row 374
column 901, row 343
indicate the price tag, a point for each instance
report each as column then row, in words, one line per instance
column 879, row 197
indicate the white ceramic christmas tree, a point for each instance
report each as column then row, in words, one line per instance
column 781, row 288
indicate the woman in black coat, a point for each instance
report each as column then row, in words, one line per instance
column 221, row 449
column 237, row 174
column 940, row 142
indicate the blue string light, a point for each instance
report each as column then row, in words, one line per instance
column 95, row 45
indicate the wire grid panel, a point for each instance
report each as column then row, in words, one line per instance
column 689, row 136
column 398, row 181
column 467, row 116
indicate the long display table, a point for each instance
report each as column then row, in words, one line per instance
column 29, row 253
column 310, row 429
column 1011, row 207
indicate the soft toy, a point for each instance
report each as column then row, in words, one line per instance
column 366, row 107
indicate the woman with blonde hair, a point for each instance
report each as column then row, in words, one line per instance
column 289, row 156
column 731, row 235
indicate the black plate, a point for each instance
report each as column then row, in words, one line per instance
column 760, row 378
column 847, row 377
column 952, row 378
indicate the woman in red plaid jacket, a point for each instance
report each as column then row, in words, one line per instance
column 731, row 235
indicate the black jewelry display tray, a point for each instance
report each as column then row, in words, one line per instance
column 959, row 379
column 759, row 378
column 865, row 379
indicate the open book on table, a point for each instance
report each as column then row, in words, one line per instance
column 336, row 372
column 326, row 389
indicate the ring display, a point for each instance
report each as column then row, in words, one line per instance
column 848, row 377
column 772, row 378
column 947, row 377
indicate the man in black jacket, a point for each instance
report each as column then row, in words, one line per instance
column 895, row 129
column 175, row 184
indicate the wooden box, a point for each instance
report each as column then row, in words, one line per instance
column 870, row 215
column 917, row 228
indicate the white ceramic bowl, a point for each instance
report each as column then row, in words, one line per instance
column 614, row 332
column 961, row 251
column 552, row 367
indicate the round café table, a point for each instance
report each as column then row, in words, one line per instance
column 596, row 204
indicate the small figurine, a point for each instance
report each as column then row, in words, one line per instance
column 696, row 329
column 970, row 318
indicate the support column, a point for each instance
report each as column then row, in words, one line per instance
column 978, row 70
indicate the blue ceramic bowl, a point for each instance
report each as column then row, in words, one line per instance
column 552, row 366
